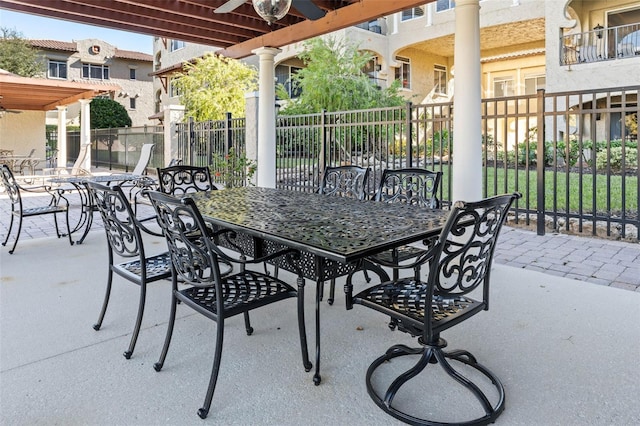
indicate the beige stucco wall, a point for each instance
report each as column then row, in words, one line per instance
column 141, row 88
column 596, row 75
column 23, row 131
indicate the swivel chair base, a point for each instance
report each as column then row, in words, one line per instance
column 433, row 354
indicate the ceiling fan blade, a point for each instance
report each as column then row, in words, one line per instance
column 229, row 6
column 309, row 9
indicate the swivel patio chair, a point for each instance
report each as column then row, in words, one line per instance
column 344, row 181
column 195, row 261
column 57, row 204
column 124, row 239
column 459, row 264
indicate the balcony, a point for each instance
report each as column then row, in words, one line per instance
column 601, row 44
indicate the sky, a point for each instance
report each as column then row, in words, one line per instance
column 36, row 27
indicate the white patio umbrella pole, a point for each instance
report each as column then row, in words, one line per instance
column 62, row 137
column 467, row 136
column 85, row 129
column 266, row 173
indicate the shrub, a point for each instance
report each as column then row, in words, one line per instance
column 615, row 159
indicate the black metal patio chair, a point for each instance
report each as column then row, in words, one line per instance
column 57, row 203
column 411, row 186
column 344, row 181
column 456, row 289
column 183, row 179
column 124, row 239
column 195, row 261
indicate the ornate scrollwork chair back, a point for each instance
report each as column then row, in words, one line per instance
column 411, row 186
column 124, row 239
column 195, row 257
column 456, row 288
column 181, row 180
column 57, row 204
column 345, row 181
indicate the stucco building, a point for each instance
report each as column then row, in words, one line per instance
column 96, row 61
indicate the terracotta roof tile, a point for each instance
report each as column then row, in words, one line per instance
column 54, row 45
column 129, row 54
column 72, row 47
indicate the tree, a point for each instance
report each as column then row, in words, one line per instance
column 334, row 80
column 107, row 113
column 214, row 85
column 18, row 56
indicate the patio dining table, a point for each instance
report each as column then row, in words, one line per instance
column 334, row 235
column 85, row 219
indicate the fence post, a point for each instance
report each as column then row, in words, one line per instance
column 192, row 142
column 540, row 158
column 323, row 140
column 408, row 126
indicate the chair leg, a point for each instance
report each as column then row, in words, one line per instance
column 136, row 329
column 167, row 340
column 15, row 242
column 247, row 324
column 98, row 324
column 204, row 411
column 434, row 354
column 301, row 326
column 4, row 243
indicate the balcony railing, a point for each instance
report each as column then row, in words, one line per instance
column 601, row 44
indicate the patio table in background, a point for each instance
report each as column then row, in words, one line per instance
column 334, row 234
column 78, row 182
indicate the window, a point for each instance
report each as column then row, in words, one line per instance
column 132, row 73
column 503, row 86
column 95, row 72
column 412, row 13
column 176, row 45
column 440, row 79
column 442, row 5
column 174, row 91
column 132, row 103
column 58, row 69
column 403, row 72
column 283, row 76
column 533, row 83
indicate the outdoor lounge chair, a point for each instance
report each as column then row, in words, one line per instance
column 456, row 289
column 195, row 261
column 57, row 204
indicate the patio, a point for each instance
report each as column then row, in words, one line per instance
column 565, row 350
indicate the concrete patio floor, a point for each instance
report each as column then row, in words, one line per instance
column 566, row 351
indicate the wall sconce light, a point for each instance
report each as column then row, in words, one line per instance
column 271, row 10
column 598, row 29
column 378, row 67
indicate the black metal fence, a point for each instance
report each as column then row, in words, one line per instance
column 119, row 148
column 574, row 156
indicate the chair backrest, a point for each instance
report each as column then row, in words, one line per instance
column 145, row 158
column 411, row 186
column 181, row 180
column 78, row 166
column 464, row 250
column 188, row 241
column 345, row 181
column 123, row 235
column 11, row 188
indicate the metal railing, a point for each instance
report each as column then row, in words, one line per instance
column 600, row 44
column 574, row 156
column 119, row 148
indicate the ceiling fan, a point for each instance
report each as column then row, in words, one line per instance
column 272, row 10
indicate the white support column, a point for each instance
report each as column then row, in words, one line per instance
column 85, row 130
column 266, row 173
column 173, row 114
column 467, row 128
column 62, row 136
